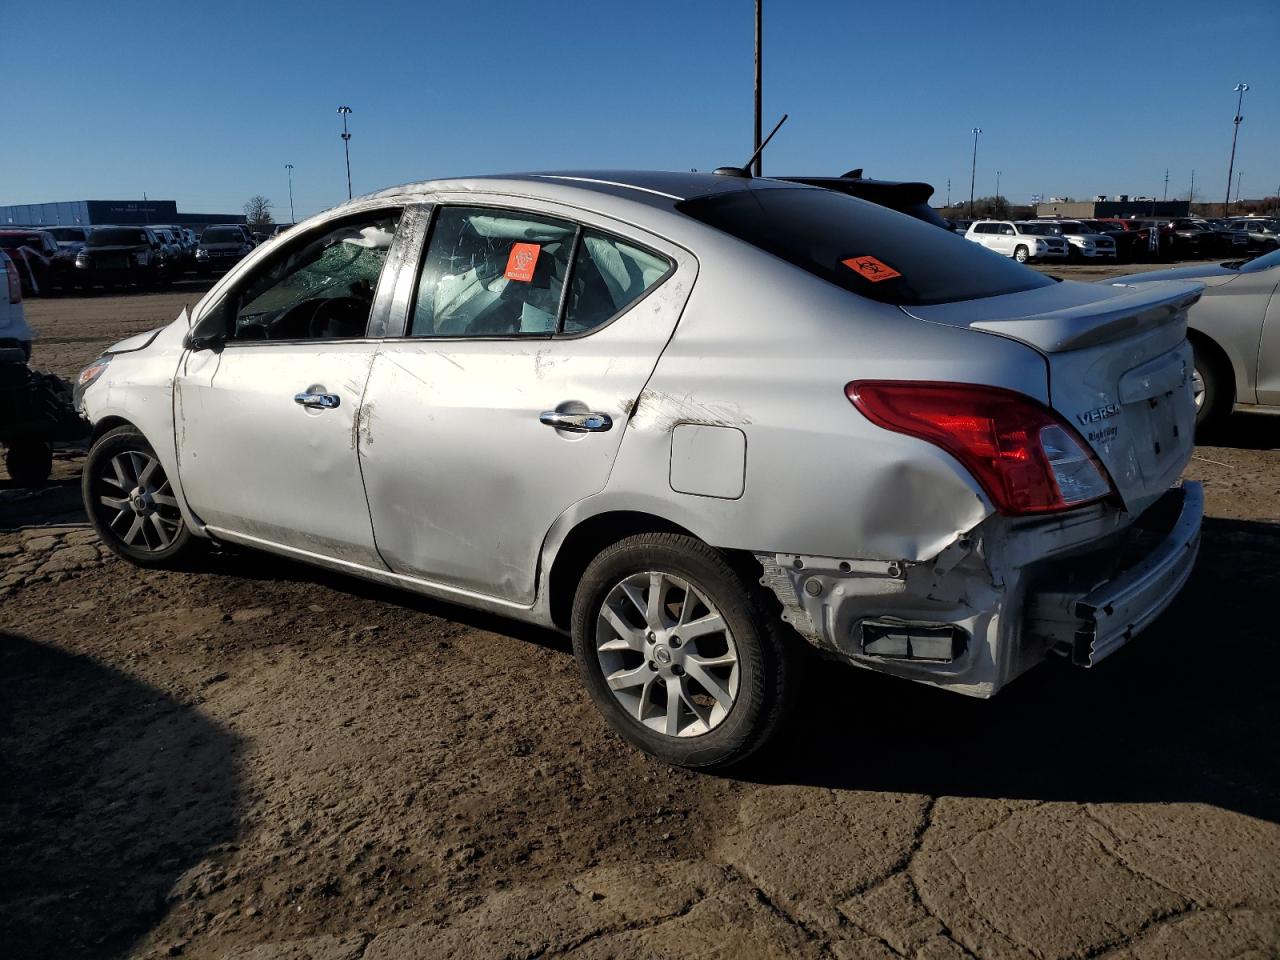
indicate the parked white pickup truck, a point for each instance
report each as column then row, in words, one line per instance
column 1013, row 238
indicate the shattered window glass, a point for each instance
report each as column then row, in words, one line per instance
column 492, row 272
column 321, row 287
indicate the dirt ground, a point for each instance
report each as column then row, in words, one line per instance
column 255, row 760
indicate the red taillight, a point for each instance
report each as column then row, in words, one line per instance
column 15, row 282
column 1026, row 457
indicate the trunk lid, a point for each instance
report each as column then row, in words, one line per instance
column 1119, row 369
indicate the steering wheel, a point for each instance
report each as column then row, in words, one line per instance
column 339, row 310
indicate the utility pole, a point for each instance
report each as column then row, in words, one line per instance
column 346, row 148
column 1191, row 196
column 1240, row 90
column 292, row 218
column 997, row 184
column 948, row 192
column 759, row 161
column 1239, row 177
column 973, row 171
column 1166, row 185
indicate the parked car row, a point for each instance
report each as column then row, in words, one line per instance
column 1125, row 240
column 48, row 259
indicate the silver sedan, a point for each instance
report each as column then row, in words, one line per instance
column 703, row 423
column 1235, row 332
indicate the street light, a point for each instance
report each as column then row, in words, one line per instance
column 997, row 184
column 346, row 145
column 1239, row 89
column 973, row 172
column 292, row 218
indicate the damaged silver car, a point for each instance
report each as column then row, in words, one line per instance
column 697, row 421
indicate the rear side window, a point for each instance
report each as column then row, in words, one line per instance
column 609, row 275
column 866, row 249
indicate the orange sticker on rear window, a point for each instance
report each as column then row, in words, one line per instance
column 524, row 257
column 871, row 268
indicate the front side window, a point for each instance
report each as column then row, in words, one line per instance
column 320, row 288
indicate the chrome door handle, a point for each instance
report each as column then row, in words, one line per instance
column 323, row 401
column 577, row 422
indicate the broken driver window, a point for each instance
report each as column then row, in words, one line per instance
column 322, row 288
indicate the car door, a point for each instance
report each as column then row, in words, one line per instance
column 527, row 338
column 1002, row 239
column 1268, row 282
column 266, row 411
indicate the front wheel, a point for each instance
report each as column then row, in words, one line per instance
column 679, row 652
column 1211, row 389
column 1021, row 254
column 131, row 502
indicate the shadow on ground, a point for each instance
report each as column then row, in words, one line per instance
column 1185, row 713
column 109, row 791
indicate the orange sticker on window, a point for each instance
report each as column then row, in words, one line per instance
column 524, row 257
column 871, row 268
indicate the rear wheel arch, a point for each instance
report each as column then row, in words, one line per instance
column 584, row 543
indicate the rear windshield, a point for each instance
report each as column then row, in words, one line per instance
column 116, row 237
column 13, row 241
column 221, row 235
column 67, row 233
column 873, row 252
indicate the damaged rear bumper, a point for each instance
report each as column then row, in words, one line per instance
column 1000, row 599
column 1092, row 626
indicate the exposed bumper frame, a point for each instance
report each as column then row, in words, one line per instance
column 1112, row 614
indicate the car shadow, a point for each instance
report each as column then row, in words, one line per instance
column 1244, row 431
column 110, row 790
column 1185, row 713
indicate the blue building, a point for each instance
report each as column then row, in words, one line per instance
column 89, row 213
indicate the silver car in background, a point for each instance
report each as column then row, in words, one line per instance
column 700, row 422
column 1235, row 334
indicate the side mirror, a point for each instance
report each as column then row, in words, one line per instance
column 193, row 341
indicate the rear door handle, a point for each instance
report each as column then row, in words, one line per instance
column 577, row 422
column 322, row 401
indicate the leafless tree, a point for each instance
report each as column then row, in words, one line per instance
column 257, row 210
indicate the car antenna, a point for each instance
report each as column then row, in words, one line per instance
column 744, row 171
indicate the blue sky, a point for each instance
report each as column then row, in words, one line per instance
column 205, row 102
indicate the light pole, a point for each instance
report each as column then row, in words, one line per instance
column 292, row 218
column 973, row 171
column 346, row 145
column 1239, row 89
column 1239, row 177
column 997, row 184
column 759, row 162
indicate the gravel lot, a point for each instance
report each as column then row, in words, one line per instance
column 255, row 760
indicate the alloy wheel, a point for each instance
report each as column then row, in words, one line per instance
column 1197, row 388
column 667, row 654
column 135, row 501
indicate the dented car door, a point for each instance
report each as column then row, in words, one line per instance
column 504, row 396
column 267, row 408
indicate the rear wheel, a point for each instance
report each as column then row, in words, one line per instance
column 1020, row 254
column 130, row 501
column 29, row 462
column 679, row 652
column 1210, row 388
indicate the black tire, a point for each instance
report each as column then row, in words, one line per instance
column 767, row 660
column 1219, row 393
column 29, row 462
column 145, row 546
column 1021, row 254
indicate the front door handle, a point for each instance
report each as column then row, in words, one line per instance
column 322, row 401
column 577, row 422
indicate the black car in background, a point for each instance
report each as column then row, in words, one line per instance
column 1130, row 245
column 35, row 254
column 124, row 256
column 222, row 246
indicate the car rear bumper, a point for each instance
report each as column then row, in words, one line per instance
column 1089, row 625
column 999, row 600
